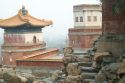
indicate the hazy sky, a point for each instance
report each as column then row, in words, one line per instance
column 59, row 11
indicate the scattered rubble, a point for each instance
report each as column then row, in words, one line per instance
column 102, row 67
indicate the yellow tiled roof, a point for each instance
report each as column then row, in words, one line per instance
column 21, row 19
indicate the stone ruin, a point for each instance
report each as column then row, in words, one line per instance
column 94, row 67
column 101, row 67
column 10, row 75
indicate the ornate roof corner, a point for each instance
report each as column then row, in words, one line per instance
column 22, row 18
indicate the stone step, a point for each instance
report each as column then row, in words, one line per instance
column 85, row 64
column 88, row 81
column 87, row 58
column 85, row 75
column 88, row 69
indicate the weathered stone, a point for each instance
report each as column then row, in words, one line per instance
column 99, row 55
column 88, row 69
column 14, row 79
column 86, row 59
column 88, row 81
column 73, row 79
column 121, row 69
column 108, row 73
column 85, row 75
column 23, row 79
column 96, row 64
column 69, row 58
column 85, row 64
column 68, row 50
column 100, row 77
column 56, row 75
column 122, row 80
column 6, row 77
column 73, row 69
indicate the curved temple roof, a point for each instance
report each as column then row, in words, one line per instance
column 22, row 18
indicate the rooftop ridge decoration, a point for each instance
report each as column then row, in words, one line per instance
column 24, row 11
column 22, row 18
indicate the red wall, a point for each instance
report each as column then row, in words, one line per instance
column 7, row 56
column 112, row 23
column 20, row 55
column 13, row 38
column 82, row 41
column 50, row 64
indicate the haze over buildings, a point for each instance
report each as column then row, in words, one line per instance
column 60, row 11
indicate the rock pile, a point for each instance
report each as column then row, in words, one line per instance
column 9, row 75
column 77, row 69
column 96, row 67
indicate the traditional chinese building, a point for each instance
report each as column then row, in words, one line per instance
column 87, row 26
column 23, row 42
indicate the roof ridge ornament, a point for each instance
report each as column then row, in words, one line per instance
column 24, row 11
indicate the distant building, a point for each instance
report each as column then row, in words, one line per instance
column 23, row 42
column 87, row 26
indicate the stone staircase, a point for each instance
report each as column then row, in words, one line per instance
column 87, row 71
column 78, row 69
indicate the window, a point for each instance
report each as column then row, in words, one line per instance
column 81, row 19
column 95, row 18
column 89, row 18
column 76, row 19
column 34, row 39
